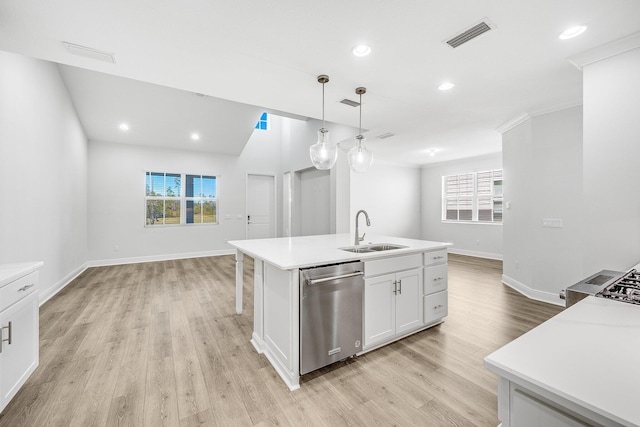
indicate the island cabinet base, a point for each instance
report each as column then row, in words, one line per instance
column 397, row 277
column 521, row 406
column 276, row 322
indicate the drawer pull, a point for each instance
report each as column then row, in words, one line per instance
column 435, row 307
column 24, row 288
column 8, row 338
column 438, row 278
column 438, row 257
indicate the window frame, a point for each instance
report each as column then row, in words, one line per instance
column 263, row 121
column 181, row 198
column 494, row 196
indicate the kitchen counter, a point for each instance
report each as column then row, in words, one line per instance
column 584, row 362
column 276, row 290
column 308, row 251
column 287, row 253
column 11, row 272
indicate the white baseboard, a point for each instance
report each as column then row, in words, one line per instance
column 154, row 258
column 525, row 290
column 476, row 254
column 46, row 296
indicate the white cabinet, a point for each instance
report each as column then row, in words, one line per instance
column 393, row 305
column 19, row 347
column 393, row 298
column 435, row 279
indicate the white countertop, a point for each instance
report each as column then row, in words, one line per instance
column 307, row 251
column 588, row 354
column 11, row 272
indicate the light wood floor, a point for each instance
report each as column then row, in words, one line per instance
column 159, row 344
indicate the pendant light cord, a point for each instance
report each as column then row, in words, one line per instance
column 323, row 106
column 360, row 125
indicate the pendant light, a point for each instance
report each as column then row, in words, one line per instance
column 323, row 153
column 360, row 157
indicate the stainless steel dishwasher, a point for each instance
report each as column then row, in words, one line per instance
column 330, row 314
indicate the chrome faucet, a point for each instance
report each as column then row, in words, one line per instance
column 359, row 239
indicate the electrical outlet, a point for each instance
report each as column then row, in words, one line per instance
column 552, row 222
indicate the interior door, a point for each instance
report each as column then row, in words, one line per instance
column 261, row 215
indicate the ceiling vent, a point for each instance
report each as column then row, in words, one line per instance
column 470, row 34
column 386, row 135
column 89, row 52
column 350, row 102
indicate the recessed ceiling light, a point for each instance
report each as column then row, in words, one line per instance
column 446, row 86
column 361, row 50
column 572, row 32
column 123, row 127
column 431, row 151
column 195, row 136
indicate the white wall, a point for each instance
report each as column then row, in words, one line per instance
column 116, row 198
column 391, row 196
column 543, row 179
column 611, row 154
column 484, row 240
column 43, row 172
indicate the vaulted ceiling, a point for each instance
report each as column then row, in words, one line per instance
column 266, row 54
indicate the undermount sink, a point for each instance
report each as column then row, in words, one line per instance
column 385, row 247
column 374, row 247
column 358, row 249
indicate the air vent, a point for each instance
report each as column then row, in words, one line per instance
column 470, row 34
column 350, row 102
column 89, row 52
column 386, row 135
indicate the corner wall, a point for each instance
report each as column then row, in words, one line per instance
column 43, row 172
column 611, row 155
column 543, row 179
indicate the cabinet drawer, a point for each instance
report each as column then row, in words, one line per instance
column 18, row 289
column 435, row 307
column 435, row 257
column 391, row 265
column 435, row 279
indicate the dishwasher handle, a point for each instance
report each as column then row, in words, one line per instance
column 342, row 276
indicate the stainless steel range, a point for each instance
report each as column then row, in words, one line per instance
column 625, row 289
column 589, row 286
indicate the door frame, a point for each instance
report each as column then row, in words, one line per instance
column 275, row 200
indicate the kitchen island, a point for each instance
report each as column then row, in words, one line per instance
column 581, row 367
column 277, row 264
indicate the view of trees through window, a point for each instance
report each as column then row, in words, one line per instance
column 173, row 198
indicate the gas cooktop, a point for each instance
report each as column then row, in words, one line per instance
column 625, row 289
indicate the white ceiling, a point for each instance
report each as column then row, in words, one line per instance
column 268, row 53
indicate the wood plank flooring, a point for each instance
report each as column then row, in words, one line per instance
column 159, row 344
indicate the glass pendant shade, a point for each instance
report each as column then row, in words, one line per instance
column 360, row 157
column 323, row 153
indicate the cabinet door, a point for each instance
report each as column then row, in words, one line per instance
column 379, row 309
column 409, row 300
column 19, row 359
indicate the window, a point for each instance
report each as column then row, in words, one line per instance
column 472, row 197
column 173, row 198
column 263, row 123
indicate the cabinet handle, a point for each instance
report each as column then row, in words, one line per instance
column 438, row 278
column 395, row 287
column 438, row 257
column 9, row 337
column 24, row 288
column 435, row 307
column 400, row 283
